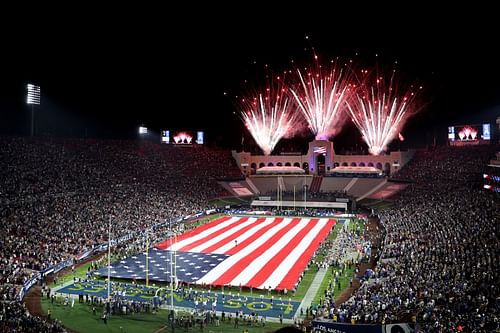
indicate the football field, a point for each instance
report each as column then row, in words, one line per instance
column 243, row 251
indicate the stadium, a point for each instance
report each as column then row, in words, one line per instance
column 341, row 210
column 276, row 246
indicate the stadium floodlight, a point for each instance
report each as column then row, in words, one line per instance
column 33, row 94
column 33, row 99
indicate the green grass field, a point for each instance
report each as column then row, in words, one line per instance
column 344, row 283
column 81, row 319
column 299, row 295
column 329, row 276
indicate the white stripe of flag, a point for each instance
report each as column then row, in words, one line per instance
column 263, row 252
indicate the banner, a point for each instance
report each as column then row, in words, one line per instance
column 399, row 328
column 84, row 255
column 28, row 285
column 332, row 327
column 62, row 265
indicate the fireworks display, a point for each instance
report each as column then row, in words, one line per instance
column 323, row 97
column 379, row 111
column 269, row 115
column 321, row 93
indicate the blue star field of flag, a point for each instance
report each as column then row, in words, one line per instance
column 190, row 266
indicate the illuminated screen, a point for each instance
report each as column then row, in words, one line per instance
column 182, row 137
column 165, row 137
column 199, row 138
column 469, row 133
column 486, row 132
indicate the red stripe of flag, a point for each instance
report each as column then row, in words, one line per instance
column 166, row 243
column 300, row 265
column 233, row 236
column 254, row 237
column 200, row 241
column 293, row 268
column 234, row 270
column 261, row 276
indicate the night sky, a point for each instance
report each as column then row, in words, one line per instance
column 104, row 72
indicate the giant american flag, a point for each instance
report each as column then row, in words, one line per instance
column 258, row 252
column 262, row 251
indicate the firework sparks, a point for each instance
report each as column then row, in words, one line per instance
column 268, row 116
column 320, row 94
column 379, row 111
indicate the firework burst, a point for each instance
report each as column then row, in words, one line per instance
column 269, row 115
column 321, row 93
column 379, row 110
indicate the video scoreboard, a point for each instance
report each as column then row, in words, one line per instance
column 182, row 137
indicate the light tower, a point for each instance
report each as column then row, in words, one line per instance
column 33, row 99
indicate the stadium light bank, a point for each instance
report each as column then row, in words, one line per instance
column 33, row 99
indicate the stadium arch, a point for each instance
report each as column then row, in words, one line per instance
column 387, row 168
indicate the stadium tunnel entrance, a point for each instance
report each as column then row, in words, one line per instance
column 320, row 164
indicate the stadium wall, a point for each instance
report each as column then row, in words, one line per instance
column 390, row 163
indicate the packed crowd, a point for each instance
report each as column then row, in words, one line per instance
column 440, row 260
column 439, row 264
column 352, row 246
column 14, row 317
column 57, row 197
